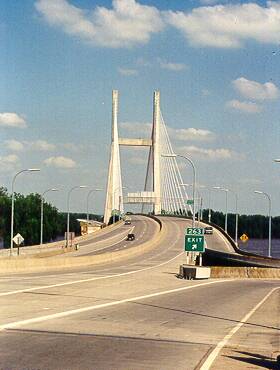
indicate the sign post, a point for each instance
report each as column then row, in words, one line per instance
column 18, row 240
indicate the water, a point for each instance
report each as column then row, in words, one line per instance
column 260, row 246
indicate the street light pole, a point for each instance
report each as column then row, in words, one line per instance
column 13, row 204
column 90, row 192
column 209, row 209
column 42, row 213
column 269, row 219
column 236, row 215
column 114, row 215
column 194, row 179
column 68, row 209
column 226, row 211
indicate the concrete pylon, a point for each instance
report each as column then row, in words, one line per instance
column 152, row 181
column 114, row 198
column 114, row 185
column 156, row 152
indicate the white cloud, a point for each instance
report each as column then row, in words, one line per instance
column 128, row 23
column 210, row 2
column 14, row 145
column 205, row 92
column 248, row 107
column 127, row 71
column 229, row 26
column 137, row 127
column 8, row 163
column 185, row 134
column 142, row 62
column 255, row 90
column 38, row 145
column 71, row 147
column 41, row 145
column 208, row 154
column 191, row 134
column 60, row 162
column 175, row 67
column 12, row 120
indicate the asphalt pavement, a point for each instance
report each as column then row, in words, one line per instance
column 137, row 314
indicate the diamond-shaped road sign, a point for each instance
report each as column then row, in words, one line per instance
column 18, row 239
column 244, row 238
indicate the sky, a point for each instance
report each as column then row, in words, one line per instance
column 215, row 63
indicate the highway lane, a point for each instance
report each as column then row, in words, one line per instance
column 144, row 229
column 132, row 315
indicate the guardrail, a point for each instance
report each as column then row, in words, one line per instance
column 33, row 264
column 239, row 258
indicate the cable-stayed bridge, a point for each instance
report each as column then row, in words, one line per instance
column 162, row 191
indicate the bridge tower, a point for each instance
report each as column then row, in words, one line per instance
column 162, row 176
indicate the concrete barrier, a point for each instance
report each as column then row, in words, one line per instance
column 245, row 272
column 54, row 248
column 33, row 264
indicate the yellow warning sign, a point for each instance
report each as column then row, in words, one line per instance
column 244, row 238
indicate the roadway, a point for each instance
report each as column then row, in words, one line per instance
column 137, row 314
column 144, row 229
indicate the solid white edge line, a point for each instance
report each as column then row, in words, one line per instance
column 110, row 245
column 86, row 280
column 213, row 355
column 103, row 305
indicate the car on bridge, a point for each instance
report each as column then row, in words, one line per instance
column 208, row 230
column 127, row 222
column 130, row 237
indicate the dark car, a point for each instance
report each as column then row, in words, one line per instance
column 208, row 230
column 130, row 237
column 127, row 222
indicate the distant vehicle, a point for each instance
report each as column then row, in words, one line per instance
column 208, row 230
column 127, row 222
column 129, row 213
column 130, row 237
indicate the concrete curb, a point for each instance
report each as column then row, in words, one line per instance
column 28, row 264
column 54, row 248
column 245, row 272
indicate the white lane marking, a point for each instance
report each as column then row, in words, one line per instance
column 211, row 358
column 111, row 245
column 86, row 280
column 229, row 247
column 91, row 240
column 70, row 273
column 103, row 305
column 102, row 277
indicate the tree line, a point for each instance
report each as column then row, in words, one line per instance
column 255, row 226
column 27, row 219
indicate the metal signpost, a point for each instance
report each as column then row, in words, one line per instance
column 18, row 240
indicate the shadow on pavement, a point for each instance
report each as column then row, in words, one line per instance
column 256, row 359
column 204, row 315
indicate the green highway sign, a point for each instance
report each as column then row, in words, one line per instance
column 194, row 231
column 189, row 202
column 194, row 243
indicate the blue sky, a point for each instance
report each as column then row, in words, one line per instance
column 216, row 64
